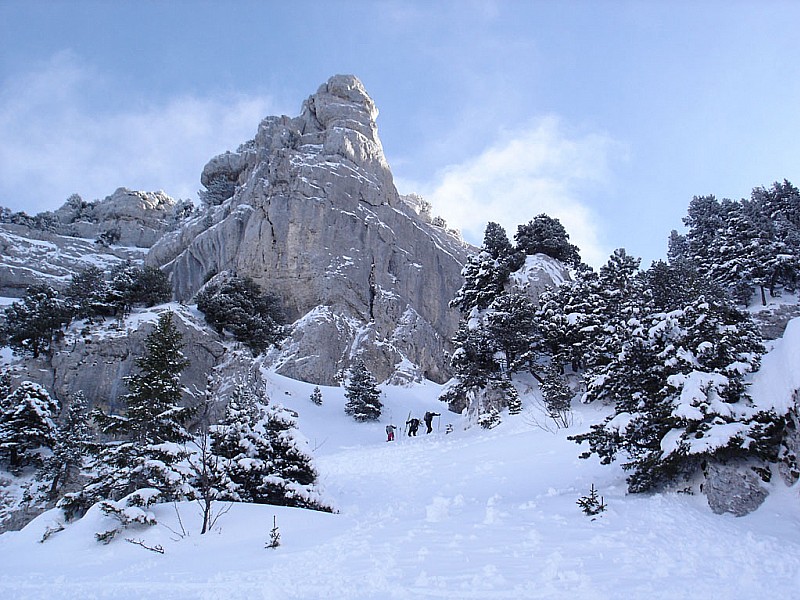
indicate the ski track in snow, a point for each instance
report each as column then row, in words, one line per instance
column 474, row 514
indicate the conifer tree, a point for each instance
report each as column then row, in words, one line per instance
column 121, row 289
column 511, row 325
column 486, row 274
column 316, row 396
column 556, row 394
column 33, row 324
column 546, row 235
column 151, row 431
column 240, row 307
column 679, row 395
column 151, row 286
column 263, row 455
column 153, row 412
column 27, row 424
column 73, row 439
column 362, row 393
column 87, row 293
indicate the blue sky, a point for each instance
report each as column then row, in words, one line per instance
column 607, row 115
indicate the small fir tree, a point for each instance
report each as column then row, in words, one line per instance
column 263, row 455
column 274, row 534
column 592, row 504
column 316, row 396
column 362, row 393
column 557, row 395
column 154, row 414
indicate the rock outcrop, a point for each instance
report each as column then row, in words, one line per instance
column 315, row 219
column 30, row 256
column 52, row 247
column 126, row 218
column 96, row 360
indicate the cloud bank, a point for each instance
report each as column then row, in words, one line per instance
column 538, row 169
column 66, row 129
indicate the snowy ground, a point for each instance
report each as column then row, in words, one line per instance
column 472, row 514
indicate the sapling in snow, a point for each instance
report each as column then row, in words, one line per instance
column 274, row 534
column 592, row 504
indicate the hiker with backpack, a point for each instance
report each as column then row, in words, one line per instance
column 413, row 425
column 429, row 420
column 390, row 433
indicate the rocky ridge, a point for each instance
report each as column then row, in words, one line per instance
column 81, row 234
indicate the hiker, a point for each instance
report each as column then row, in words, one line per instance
column 449, row 428
column 413, row 425
column 390, row 433
column 429, row 420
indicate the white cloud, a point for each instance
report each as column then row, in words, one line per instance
column 64, row 129
column 539, row 169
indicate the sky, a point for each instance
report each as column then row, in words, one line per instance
column 608, row 115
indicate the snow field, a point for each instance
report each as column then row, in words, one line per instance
column 473, row 514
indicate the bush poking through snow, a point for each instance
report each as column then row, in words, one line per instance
column 489, row 419
column 128, row 512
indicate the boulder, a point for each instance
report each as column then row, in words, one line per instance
column 733, row 488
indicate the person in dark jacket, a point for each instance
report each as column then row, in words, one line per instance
column 413, row 425
column 429, row 420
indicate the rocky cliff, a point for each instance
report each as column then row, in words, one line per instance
column 314, row 218
column 52, row 247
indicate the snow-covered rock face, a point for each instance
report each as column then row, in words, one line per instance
column 537, row 274
column 29, row 257
column 97, row 360
column 138, row 218
column 131, row 221
column 316, row 220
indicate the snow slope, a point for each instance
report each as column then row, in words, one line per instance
column 473, row 514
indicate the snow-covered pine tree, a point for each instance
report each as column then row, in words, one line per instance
column 87, row 293
column 748, row 244
column 238, row 305
column 546, row 235
column 292, row 477
column 316, row 396
column 556, row 394
column 152, row 429
column 679, row 394
column 486, row 274
column 73, row 439
column 5, row 389
column 121, row 286
column 27, row 424
column 153, row 413
column 32, row 325
column 151, row 286
column 263, row 455
column 511, row 324
column 362, row 393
